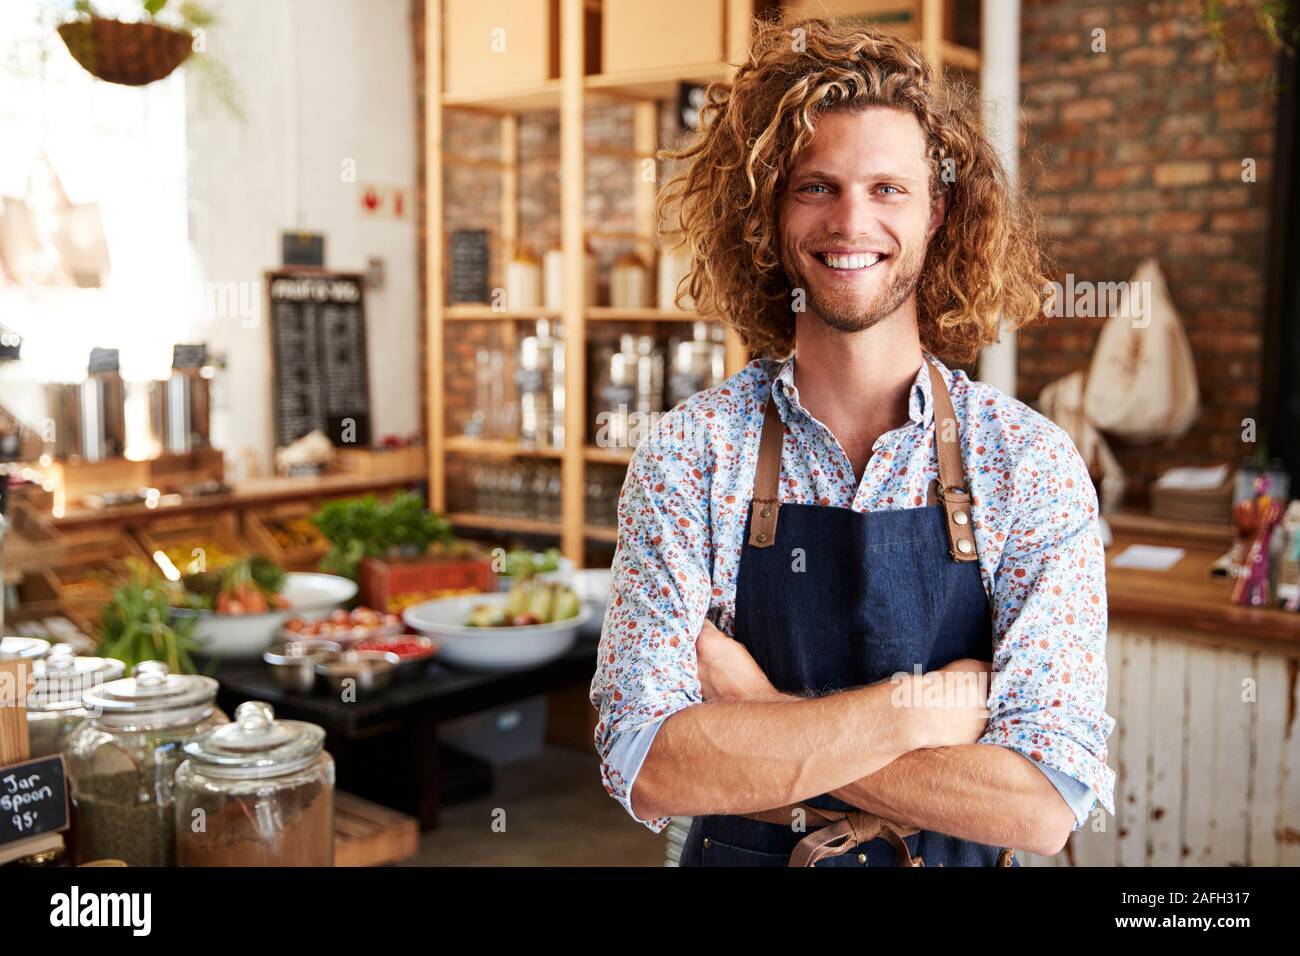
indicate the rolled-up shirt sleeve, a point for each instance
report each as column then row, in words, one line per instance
column 660, row 591
column 1048, row 691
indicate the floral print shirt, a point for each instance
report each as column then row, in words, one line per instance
column 681, row 520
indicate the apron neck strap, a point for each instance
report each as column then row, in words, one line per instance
column 952, row 491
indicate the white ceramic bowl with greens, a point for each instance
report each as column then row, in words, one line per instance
column 239, row 636
column 491, row 648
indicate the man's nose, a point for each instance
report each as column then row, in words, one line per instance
column 853, row 214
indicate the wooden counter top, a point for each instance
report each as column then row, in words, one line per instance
column 253, row 492
column 1186, row 602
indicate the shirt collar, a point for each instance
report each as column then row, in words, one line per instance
column 920, row 404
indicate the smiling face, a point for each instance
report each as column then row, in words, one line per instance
column 856, row 216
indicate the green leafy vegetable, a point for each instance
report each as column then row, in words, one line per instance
column 137, row 625
column 367, row 528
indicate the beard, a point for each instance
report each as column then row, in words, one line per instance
column 840, row 309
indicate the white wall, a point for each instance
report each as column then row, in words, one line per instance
column 322, row 82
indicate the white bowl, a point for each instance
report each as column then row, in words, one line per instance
column 247, row 635
column 592, row 587
column 491, row 648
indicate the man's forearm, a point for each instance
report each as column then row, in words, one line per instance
column 743, row 756
column 981, row 792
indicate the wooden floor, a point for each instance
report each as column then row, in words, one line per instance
column 547, row 810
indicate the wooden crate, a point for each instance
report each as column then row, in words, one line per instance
column 366, row 834
column 496, row 43
column 178, row 535
column 260, row 530
column 647, row 36
column 384, row 581
column 75, row 479
column 174, row 472
column 31, row 541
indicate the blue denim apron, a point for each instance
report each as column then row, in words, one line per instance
column 832, row 598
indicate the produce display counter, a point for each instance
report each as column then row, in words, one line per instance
column 386, row 747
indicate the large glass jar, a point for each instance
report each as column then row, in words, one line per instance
column 54, row 706
column 122, row 760
column 256, row 792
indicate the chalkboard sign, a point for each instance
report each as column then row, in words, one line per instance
column 469, row 265
column 103, row 360
column 33, row 799
column 318, row 344
column 189, row 356
column 302, row 249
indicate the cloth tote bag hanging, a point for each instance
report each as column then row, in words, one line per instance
column 1062, row 402
column 1142, row 381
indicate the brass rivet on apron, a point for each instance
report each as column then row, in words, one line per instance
column 762, row 537
column 862, row 858
column 706, row 843
column 959, row 517
column 766, row 513
column 964, row 546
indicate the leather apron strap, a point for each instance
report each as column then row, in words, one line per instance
column 835, row 832
column 950, row 490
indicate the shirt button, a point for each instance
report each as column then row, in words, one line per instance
column 862, row 858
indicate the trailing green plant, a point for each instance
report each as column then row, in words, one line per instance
column 138, row 625
column 359, row 528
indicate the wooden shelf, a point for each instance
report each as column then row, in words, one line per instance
column 600, row 532
column 508, row 99
column 468, row 519
column 497, row 448
column 607, row 456
column 473, row 312
column 652, row 84
column 610, row 314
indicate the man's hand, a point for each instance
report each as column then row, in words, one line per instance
column 953, row 703
column 727, row 671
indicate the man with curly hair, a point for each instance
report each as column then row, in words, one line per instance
column 821, row 557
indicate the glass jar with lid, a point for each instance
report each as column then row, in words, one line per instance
column 54, row 706
column 122, row 760
column 28, row 648
column 256, row 792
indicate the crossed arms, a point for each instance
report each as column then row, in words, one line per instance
column 916, row 765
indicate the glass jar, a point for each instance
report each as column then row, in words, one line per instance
column 28, row 648
column 256, row 792
column 122, row 760
column 54, row 706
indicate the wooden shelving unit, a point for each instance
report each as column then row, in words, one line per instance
column 569, row 94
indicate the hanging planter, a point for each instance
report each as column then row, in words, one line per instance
column 129, row 53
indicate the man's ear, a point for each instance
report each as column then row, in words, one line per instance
column 938, row 211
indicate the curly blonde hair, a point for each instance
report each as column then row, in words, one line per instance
column 984, row 269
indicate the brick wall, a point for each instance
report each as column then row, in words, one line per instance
column 1138, row 152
